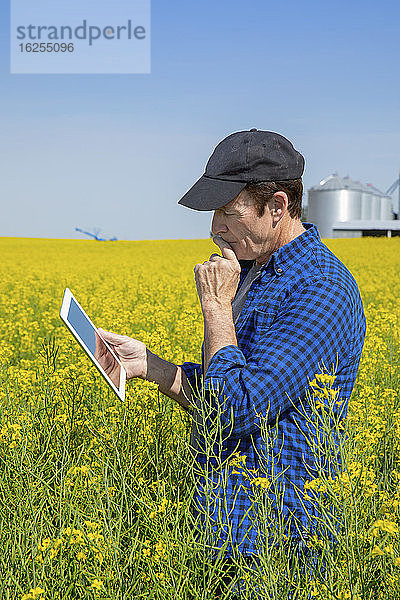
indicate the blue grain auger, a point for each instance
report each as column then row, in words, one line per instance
column 96, row 235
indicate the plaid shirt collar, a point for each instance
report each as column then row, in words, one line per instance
column 281, row 259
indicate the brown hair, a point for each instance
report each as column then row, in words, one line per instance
column 263, row 191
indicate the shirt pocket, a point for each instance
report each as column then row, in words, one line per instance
column 258, row 323
column 263, row 320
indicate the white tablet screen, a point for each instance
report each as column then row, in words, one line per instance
column 88, row 334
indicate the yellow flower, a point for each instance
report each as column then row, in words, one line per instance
column 97, row 584
column 377, row 552
column 263, row 482
column 33, row 593
column 81, row 556
column 384, row 525
column 160, row 549
column 44, row 544
column 237, row 461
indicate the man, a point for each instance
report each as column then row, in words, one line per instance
column 278, row 307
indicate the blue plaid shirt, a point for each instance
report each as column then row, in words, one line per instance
column 303, row 314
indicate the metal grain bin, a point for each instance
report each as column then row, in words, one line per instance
column 334, row 199
column 366, row 204
column 386, row 208
column 379, row 205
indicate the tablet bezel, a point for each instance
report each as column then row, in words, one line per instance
column 68, row 296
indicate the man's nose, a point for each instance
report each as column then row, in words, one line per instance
column 218, row 225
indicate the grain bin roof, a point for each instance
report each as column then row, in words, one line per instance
column 335, row 182
column 373, row 190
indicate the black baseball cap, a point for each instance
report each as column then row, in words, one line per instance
column 241, row 158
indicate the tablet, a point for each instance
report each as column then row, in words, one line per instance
column 101, row 354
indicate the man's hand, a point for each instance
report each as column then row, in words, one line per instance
column 138, row 361
column 131, row 353
column 217, row 279
column 107, row 360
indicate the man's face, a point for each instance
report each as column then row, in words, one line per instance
column 251, row 236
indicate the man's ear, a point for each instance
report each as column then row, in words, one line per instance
column 279, row 205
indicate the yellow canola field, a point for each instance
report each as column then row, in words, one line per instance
column 91, row 500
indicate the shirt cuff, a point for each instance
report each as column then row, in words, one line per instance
column 193, row 374
column 225, row 359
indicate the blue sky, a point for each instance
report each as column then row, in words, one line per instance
column 118, row 151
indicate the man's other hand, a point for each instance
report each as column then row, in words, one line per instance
column 132, row 353
column 217, row 279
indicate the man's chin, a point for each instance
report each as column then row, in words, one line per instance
column 237, row 250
